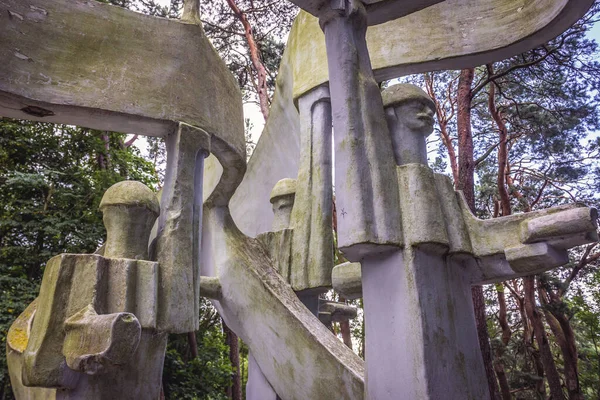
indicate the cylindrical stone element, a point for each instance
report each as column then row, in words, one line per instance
column 282, row 198
column 130, row 209
column 409, row 113
column 347, row 280
column 312, row 215
column 565, row 223
column 365, row 174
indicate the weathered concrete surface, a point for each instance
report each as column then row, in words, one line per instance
column 128, row 222
column 282, row 198
column 177, row 233
column 460, row 33
column 378, row 11
column 312, row 215
column 366, row 191
column 453, row 34
column 347, row 280
column 94, row 332
column 408, row 107
column 257, row 387
column 296, row 353
column 420, row 304
column 104, row 67
column 16, row 343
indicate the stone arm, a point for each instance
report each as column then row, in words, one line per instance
column 495, row 249
column 295, row 351
column 528, row 243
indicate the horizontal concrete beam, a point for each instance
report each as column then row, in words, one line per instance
column 453, row 34
column 104, row 67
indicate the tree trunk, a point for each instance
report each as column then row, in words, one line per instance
column 565, row 337
column 466, row 183
column 193, row 344
column 231, row 339
column 259, row 67
column 466, row 164
column 443, row 120
column 484, row 340
column 541, row 339
column 506, row 335
column 502, row 148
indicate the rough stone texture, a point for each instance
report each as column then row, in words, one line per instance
column 347, row 280
column 282, row 198
column 93, row 333
column 108, row 68
column 179, row 230
column 312, row 214
column 452, row 34
column 407, row 107
column 295, row 352
column 366, row 191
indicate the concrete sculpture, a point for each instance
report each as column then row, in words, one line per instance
column 99, row 326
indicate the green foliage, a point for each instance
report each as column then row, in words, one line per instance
column 207, row 376
column 52, row 178
column 201, row 378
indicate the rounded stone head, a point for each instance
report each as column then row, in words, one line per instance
column 130, row 209
column 414, row 108
column 282, row 198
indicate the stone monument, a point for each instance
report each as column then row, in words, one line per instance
column 98, row 328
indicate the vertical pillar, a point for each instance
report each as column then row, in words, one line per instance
column 312, row 214
column 366, row 188
column 177, row 245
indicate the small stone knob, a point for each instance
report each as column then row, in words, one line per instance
column 130, row 209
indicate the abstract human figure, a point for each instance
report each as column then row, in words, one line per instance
column 419, row 297
column 92, row 331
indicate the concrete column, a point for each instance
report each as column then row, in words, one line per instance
column 179, row 227
column 312, row 214
column 366, row 190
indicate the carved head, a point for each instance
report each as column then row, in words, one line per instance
column 130, row 209
column 414, row 108
column 282, row 198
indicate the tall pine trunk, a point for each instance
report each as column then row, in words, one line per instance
column 235, row 390
column 541, row 339
column 466, row 183
column 506, row 335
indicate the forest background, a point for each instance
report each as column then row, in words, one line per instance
column 515, row 135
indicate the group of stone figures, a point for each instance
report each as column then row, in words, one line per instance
column 98, row 328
